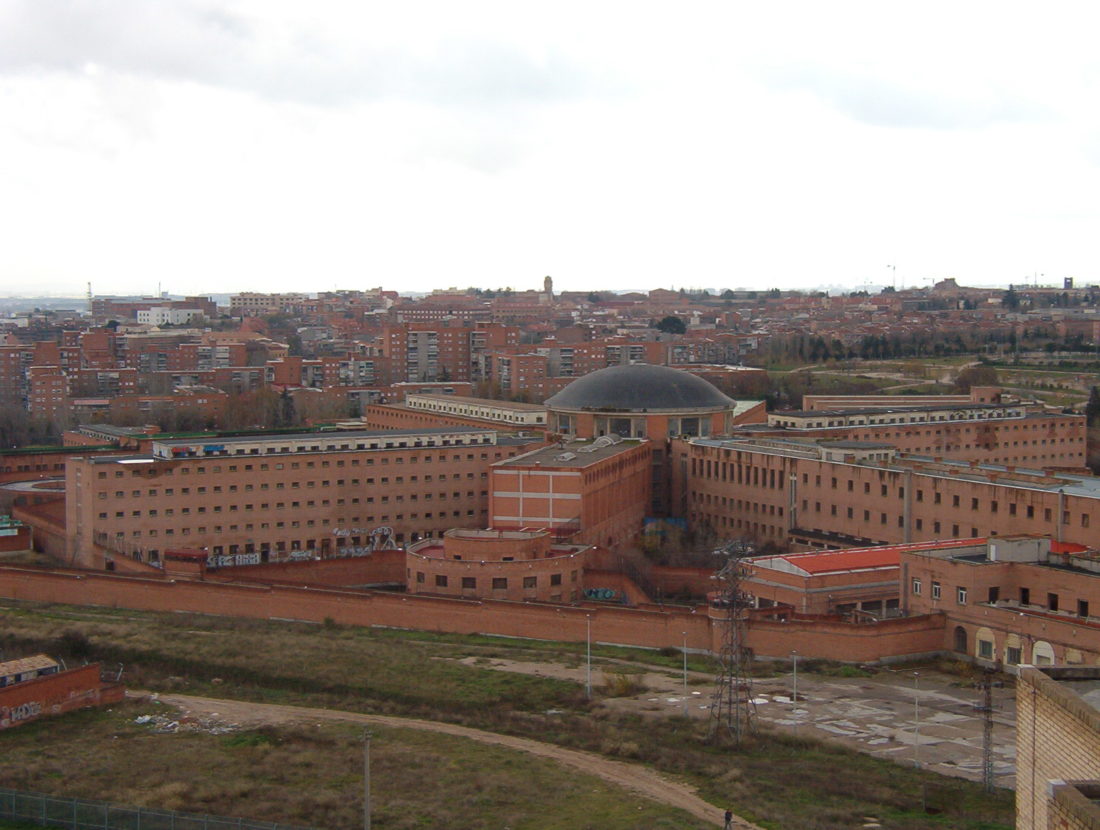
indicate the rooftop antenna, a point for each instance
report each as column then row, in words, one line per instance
column 732, row 711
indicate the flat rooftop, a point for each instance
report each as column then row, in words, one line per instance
column 374, row 440
column 817, row 563
column 1072, row 484
column 571, row 455
column 332, row 437
column 109, row 429
column 893, row 408
column 1083, row 681
column 857, row 445
column 472, row 401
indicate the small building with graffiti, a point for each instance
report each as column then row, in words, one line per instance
column 520, row 565
column 37, row 686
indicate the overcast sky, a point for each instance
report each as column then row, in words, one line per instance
column 215, row 145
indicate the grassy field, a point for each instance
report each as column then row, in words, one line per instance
column 775, row 780
column 311, row 776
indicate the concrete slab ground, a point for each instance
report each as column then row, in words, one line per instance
column 877, row 715
column 873, row 714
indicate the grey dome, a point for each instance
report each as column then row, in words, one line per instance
column 637, row 387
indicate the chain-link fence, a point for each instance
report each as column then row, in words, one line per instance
column 79, row 814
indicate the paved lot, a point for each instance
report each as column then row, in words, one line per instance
column 871, row 714
column 877, row 715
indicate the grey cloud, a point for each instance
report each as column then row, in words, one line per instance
column 884, row 103
column 196, row 41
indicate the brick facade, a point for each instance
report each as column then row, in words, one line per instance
column 840, row 494
column 55, row 694
column 1057, row 742
column 274, row 495
column 595, row 495
column 644, row 627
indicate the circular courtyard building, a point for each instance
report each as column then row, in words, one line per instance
column 640, row 400
column 519, row 565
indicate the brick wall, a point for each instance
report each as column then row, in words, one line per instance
column 672, row 580
column 1057, row 739
column 56, row 693
column 991, row 607
column 644, row 627
column 847, row 642
column 381, row 566
column 1074, row 807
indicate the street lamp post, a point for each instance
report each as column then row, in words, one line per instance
column 916, row 719
column 794, row 677
column 588, row 650
column 685, row 674
column 366, row 779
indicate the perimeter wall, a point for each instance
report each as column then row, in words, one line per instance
column 646, row 628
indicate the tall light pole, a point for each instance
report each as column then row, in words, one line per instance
column 588, row 650
column 366, row 779
column 916, row 719
column 794, row 677
column 685, row 674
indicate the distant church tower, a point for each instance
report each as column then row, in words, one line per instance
column 548, row 290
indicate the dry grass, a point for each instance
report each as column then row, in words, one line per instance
column 312, row 776
column 777, row 781
column 350, row 667
column 622, row 684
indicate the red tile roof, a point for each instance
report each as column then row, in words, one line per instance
column 1067, row 547
column 855, row 559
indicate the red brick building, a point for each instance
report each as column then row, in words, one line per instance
column 520, row 565
column 1009, row 599
column 850, row 493
column 34, row 687
column 590, row 492
column 644, row 401
column 274, row 495
column 993, row 433
column 828, row 582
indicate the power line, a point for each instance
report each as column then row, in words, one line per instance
column 732, row 711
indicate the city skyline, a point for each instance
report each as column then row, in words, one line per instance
column 266, row 146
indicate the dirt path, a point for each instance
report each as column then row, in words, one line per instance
column 633, row 777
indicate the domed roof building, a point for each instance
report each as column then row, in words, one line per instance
column 640, row 401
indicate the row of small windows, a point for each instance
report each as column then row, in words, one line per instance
column 355, row 462
column 35, row 468
column 294, row 505
column 295, row 485
column 188, row 452
column 385, row 517
column 975, row 503
column 994, row 596
column 497, row 583
column 738, row 504
column 759, row 529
